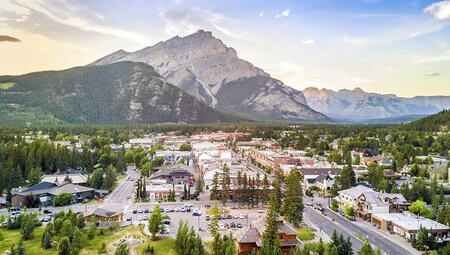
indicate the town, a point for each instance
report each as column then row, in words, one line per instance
column 224, row 190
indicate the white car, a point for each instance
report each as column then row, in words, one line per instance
column 177, row 209
column 139, row 218
column 183, row 209
column 241, row 216
column 167, row 210
column 221, row 226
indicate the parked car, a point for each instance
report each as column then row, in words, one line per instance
column 134, row 211
column 129, row 219
column 145, row 217
column 241, row 216
column 139, row 218
column 239, row 225
column 140, row 211
column 207, row 217
column 167, row 210
column 177, row 209
column 233, row 225
column 183, row 209
column 47, row 211
column 167, row 222
column 146, row 210
column 229, row 216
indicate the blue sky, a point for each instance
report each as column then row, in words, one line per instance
column 386, row 46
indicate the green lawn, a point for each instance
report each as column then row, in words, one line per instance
column 305, row 234
column 7, row 85
column 164, row 246
column 33, row 246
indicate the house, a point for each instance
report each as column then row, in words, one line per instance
column 407, row 224
column 173, row 157
column 175, row 174
column 372, row 202
column 251, row 238
column 159, row 190
column 100, row 214
column 323, row 178
column 47, row 191
column 347, row 197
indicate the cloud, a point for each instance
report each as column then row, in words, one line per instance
column 445, row 56
column 405, row 32
column 440, row 10
column 261, row 13
column 66, row 13
column 284, row 13
column 5, row 38
column 308, row 41
column 432, row 74
column 188, row 21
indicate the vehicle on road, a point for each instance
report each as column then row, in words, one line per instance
column 47, row 211
column 197, row 212
column 128, row 197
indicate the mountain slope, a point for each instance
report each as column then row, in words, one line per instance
column 436, row 122
column 125, row 92
column 360, row 105
column 207, row 69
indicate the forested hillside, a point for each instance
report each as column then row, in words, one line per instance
column 124, row 92
column 436, row 122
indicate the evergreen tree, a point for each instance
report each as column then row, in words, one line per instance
column 46, row 240
column 293, row 201
column 123, row 249
column 225, row 184
column 64, row 247
column 366, row 249
column 214, row 186
column 271, row 240
column 155, row 222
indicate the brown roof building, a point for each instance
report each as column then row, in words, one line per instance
column 251, row 238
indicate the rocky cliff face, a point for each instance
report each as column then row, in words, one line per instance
column 357, row 104
column 207, row 69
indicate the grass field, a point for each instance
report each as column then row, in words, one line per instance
column 305, row 234
column 33, row 246
column 7, row 85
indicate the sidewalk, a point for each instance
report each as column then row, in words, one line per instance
column 393, row 237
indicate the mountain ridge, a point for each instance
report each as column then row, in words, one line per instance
column 204, row 67
column 125, row 92
column 357, row 104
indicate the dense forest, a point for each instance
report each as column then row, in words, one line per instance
column 436, row 122
column 124, row 92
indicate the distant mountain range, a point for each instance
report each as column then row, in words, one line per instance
column 358, row 105
column 125, row 92
column 207, row 69
column 210, row 84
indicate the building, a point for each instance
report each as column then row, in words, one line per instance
column 323, row 178
column 365, row 201
column 175, row 174
column 100, row 214
column 47, row 191
column 251, row 238
column 407, row 224
column 159, row 190
column 74, row 178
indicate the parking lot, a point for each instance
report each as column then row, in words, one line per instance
column 195, row 217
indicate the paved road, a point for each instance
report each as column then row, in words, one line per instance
column 350, row 229
column 123, row 196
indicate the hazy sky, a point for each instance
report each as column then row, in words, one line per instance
column 386, row 46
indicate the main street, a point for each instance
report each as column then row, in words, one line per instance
column 349, row 229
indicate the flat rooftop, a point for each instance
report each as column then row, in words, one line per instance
column 410, row 221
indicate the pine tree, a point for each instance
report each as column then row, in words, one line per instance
column 123, row 249
column 293, row 201
column 225, row 184
column 366, row 249
column 46, row 240
column 271, row 241
column 64, row 247
column 214, row 186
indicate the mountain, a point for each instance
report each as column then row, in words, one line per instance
column 207, row 69
column 125, row 92
column 357, row 104
column 436, row 122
